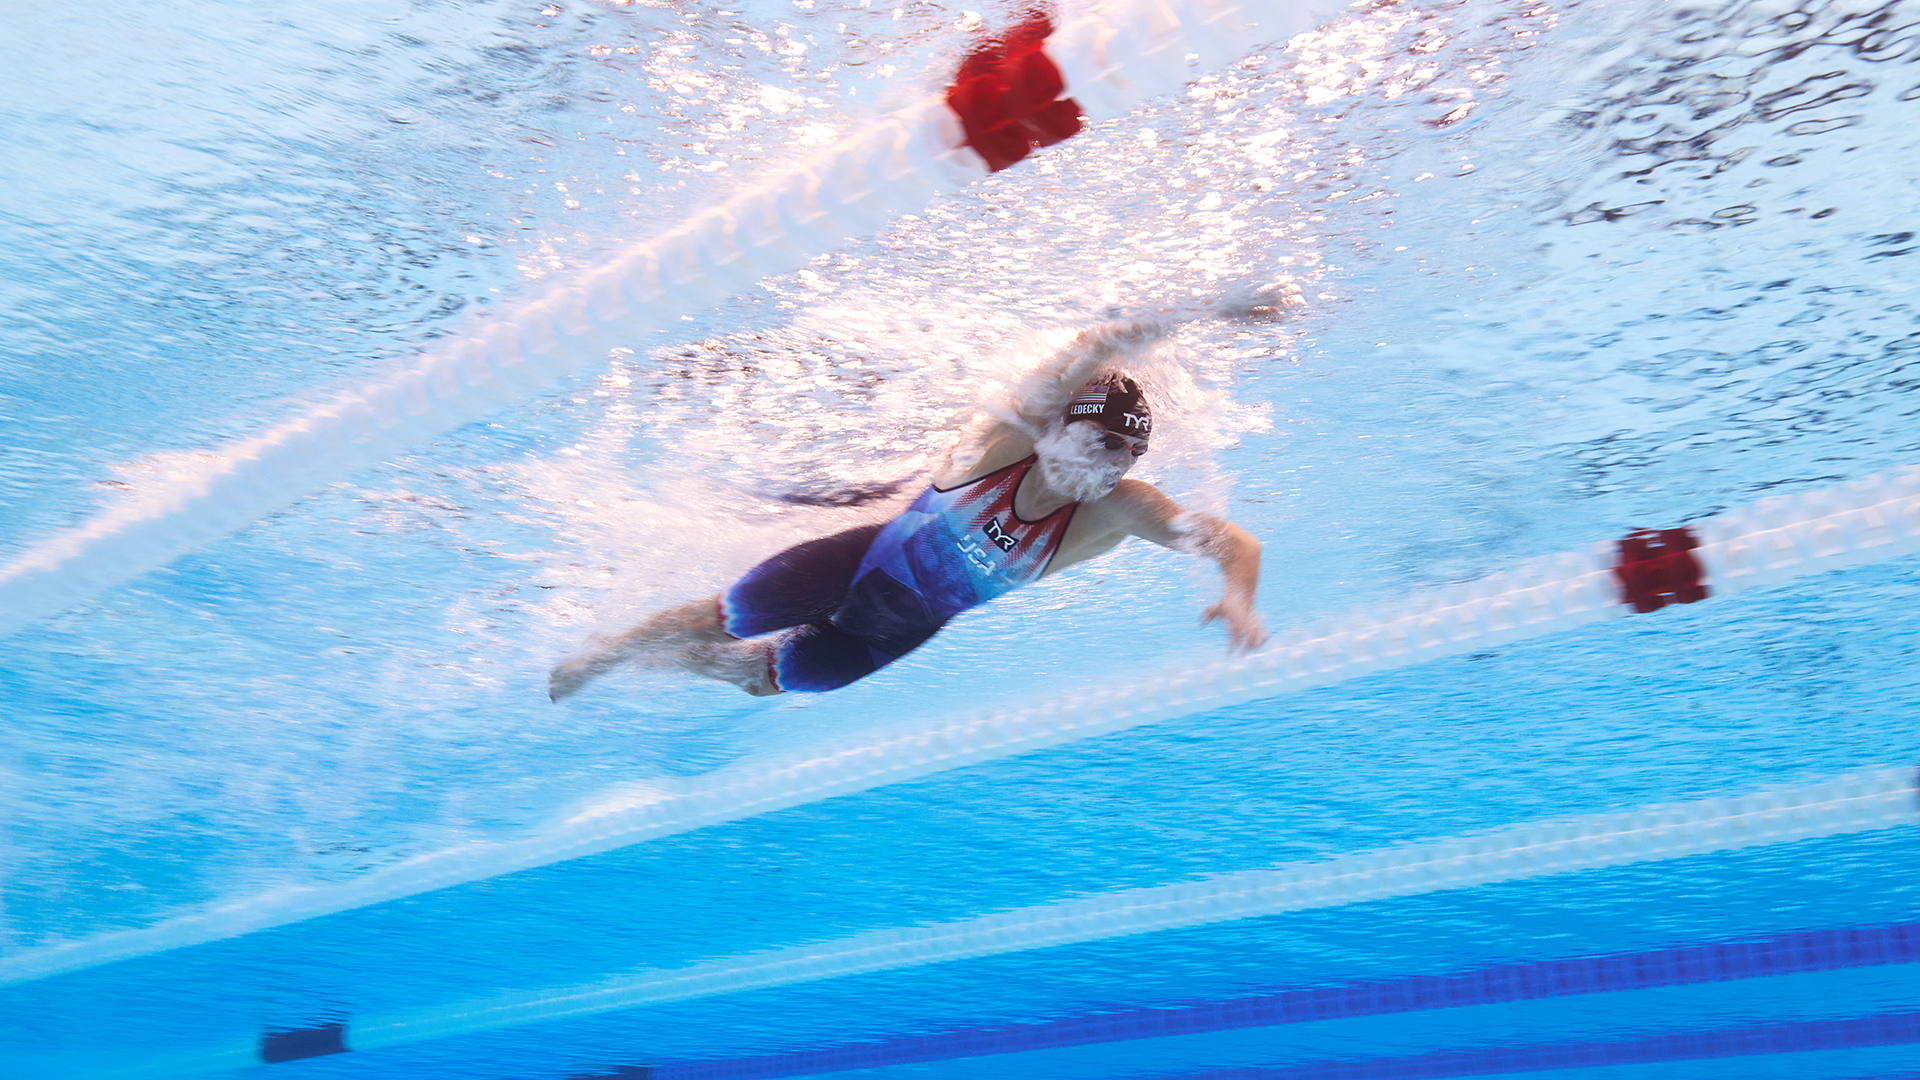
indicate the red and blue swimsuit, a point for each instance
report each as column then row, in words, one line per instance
column 859, row 600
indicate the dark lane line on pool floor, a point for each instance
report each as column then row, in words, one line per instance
column 1721, row 961
column 1788, row 1037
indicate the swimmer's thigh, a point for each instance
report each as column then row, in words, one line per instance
column 802, row 585
column 821, row 657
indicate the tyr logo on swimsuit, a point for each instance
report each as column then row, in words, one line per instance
column 999, row 536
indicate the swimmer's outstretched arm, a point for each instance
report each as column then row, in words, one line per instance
column 1238, row 555
column 1142, row 510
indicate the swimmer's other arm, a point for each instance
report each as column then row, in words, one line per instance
column 1137, row 508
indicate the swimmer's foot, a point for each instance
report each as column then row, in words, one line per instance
column 663, row 640
column 647, row 647
column 568, row 676
column 746, row 664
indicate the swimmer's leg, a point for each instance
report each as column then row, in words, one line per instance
column 746, row 664
column 822, row 657
column 664, row 640
column 801, row 586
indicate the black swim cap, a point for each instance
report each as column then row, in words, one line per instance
column 1116, row 403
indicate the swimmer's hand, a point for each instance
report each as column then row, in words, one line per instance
column 1119, row 336
column 1244, row 629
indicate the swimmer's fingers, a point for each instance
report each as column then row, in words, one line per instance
column 1123, row 336
column 1265, row 303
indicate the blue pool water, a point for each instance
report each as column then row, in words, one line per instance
column 1553, row 271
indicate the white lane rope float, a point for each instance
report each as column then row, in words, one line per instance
column 1856, row 803
column 1771, row 541
column 1017, row 91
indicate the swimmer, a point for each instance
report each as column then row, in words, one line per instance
column 1046, row 489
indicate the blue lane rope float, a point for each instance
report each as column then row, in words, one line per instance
column 1109, row 58
column 1771, row 541
column 1856, row 803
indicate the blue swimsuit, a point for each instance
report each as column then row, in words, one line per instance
column 856, row 601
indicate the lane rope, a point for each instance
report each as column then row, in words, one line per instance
column 1774, row 540
column 1854, row 803
column 1869, row 801
column 1110, row 59
column 1799, row 952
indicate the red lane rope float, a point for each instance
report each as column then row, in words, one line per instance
column 1008, row 96
column 1657, row 568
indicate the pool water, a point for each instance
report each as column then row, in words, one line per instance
column 1546, row 273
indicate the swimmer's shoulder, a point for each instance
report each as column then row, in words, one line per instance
column 1000, row 446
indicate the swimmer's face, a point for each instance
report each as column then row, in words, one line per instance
column 1083, row 460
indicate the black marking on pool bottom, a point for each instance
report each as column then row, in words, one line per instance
column 298, row 1043
column 1719, row 961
